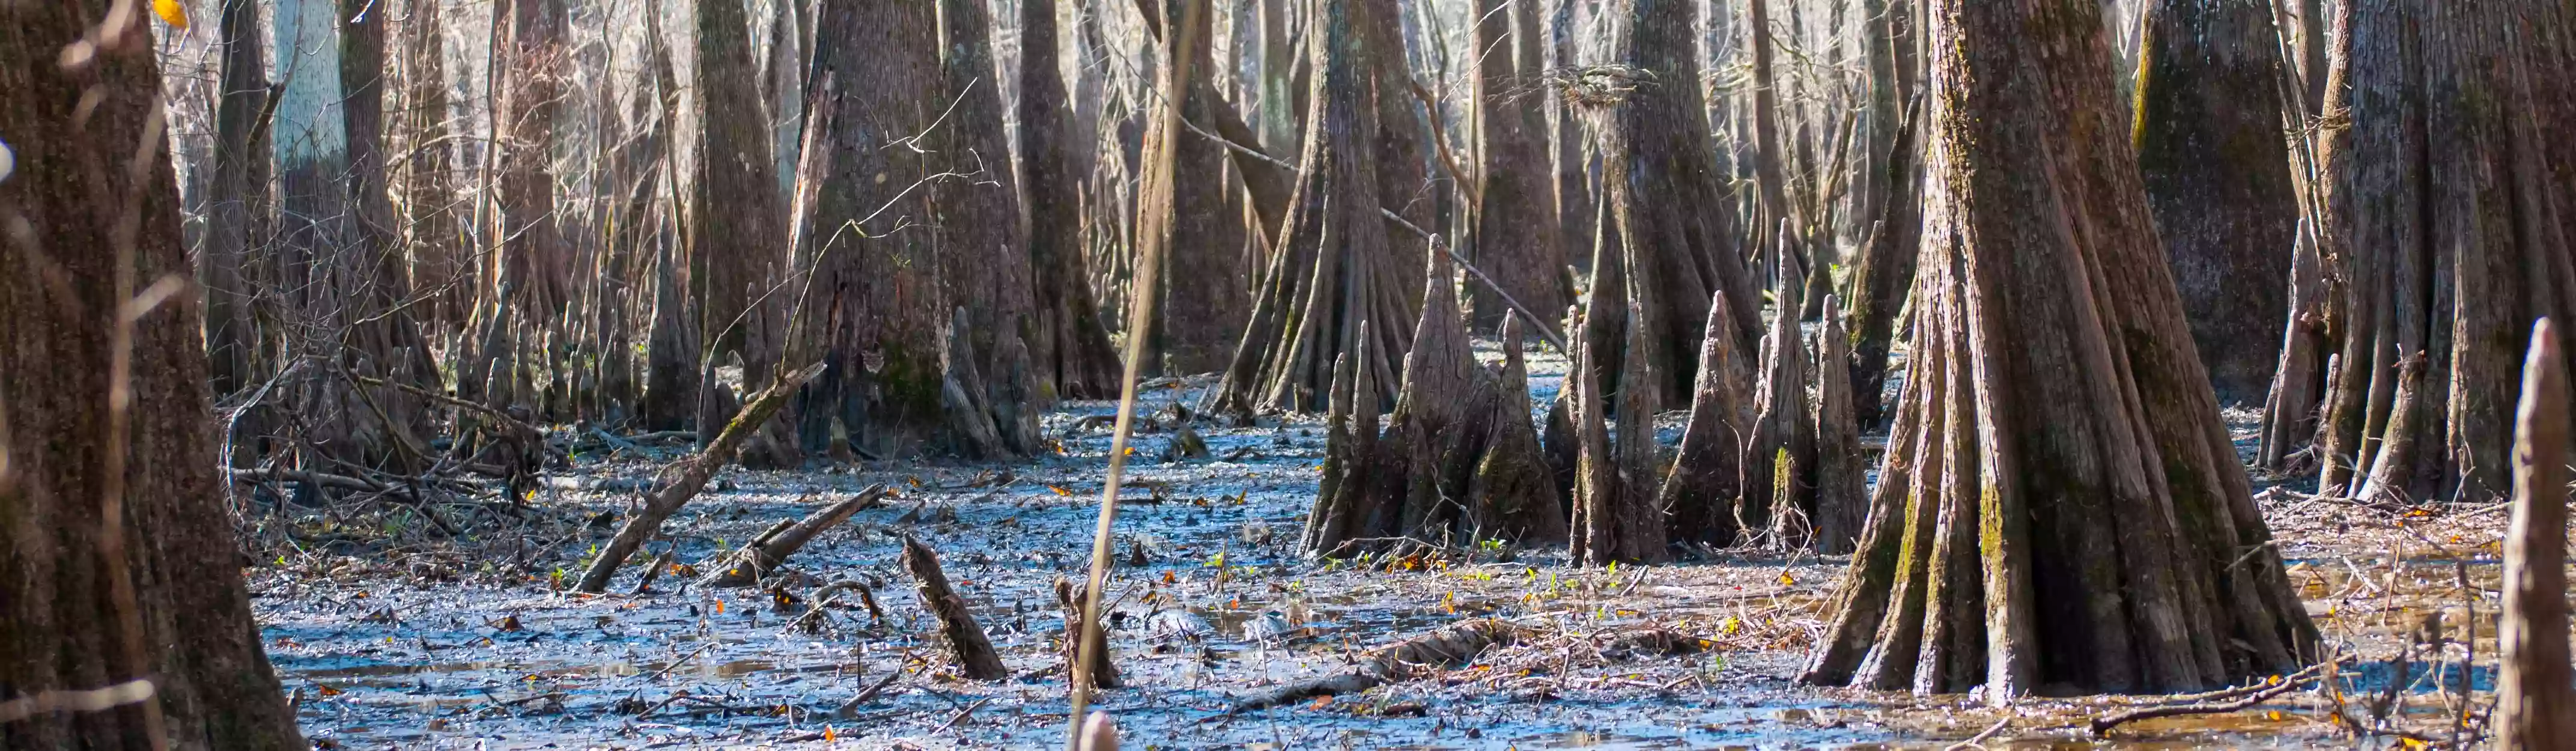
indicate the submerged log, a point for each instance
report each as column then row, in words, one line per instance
column 1448, row 647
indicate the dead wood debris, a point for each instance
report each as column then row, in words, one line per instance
column 965, row 638
column 756, row 560
column 1448, row 647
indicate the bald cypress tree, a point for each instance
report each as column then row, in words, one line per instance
column 124, row 622
column 2060, row 503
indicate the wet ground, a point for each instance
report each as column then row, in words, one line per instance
column 389, row 637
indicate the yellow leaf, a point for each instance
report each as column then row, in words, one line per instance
column 1060, row 491
column 171, row 12
column 1785, row 579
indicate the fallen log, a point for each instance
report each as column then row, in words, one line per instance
column 681, row 480
column 765, row 554
column 1447, row 647
column 957, row 627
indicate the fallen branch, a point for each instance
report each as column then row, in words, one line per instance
column 688, row 476
column 1447, row 647
column 2102, row 725
column 756, row 560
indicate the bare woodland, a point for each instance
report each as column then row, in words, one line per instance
column 1474, row 373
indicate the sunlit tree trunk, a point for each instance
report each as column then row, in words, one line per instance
column 1672, row 220
column 424, row 179
column 2443, row 258
column 983, row 251
column 1331, row 270
column 2060, row 504
column 885, row 311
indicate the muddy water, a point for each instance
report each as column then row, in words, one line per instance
column 411, row 649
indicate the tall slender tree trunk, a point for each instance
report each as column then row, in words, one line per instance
column 1577, row 205
column 736, row 237
column 124, row 622
column 237, row 204
column 2060, row 504
column 425, row 179
column 1204, row 286
column 1070, row 344
column 1516, row 238
column 527, row 275
column 2217, row 171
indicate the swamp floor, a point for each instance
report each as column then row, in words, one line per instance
column 392, row 636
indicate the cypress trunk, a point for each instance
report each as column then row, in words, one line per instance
column 124, row 622
column 2060, row 504
column 2217, row 171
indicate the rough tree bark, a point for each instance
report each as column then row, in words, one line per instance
column 1332, row 268
column 1883, row 276
column 2443, row 259
column 1698, row 496
column 671, row 356
column 1204, row 286
column 121, row 565
column 883, row 307
column 984, row 253
column 1407, row 186
column 383, row 335
column 1516, row 234
column 425, row 180
column 737, row 231
column 1840, row 479
column 1569, row 151
column 1780, row 455
column 2217, row 170
column 2060, row 504
column 1673, row 221
column 1459, row 461
column 1069, row 344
